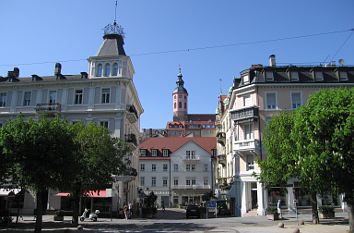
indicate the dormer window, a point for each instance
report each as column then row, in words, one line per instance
column 107, row 70
column 143, row 152
column 269, row 76
column 154, row 152
column 343, row 76
column 294, row 76
column 99, row 70
column 115, row 69
column 246, row 79
column 165, row 153
column 318, row 76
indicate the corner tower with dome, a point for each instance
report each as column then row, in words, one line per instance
column 105, row 95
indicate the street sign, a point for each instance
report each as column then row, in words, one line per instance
column 211, row 204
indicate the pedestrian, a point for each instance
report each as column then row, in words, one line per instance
column 163, row 205
column 130, row 210
column 279, row 209
column 125, row 210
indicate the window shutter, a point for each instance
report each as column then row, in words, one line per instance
column 34, row 98
column 9, row 98
column 59, row 95
column 19, row 98
column 70, row 96
column 86, row 95
column 44, row 95
column 97, row 95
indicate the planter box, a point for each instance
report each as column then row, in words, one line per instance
column 273, row 217
column 327, row 215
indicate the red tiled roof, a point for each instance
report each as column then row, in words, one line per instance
column 174, row 143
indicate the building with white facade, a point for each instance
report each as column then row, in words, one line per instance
column 177, row 169
column 105, row 95
column 261, row 93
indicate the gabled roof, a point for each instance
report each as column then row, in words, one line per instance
column 174, row 143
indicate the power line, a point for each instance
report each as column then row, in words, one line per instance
column 207, row 47
column 342, row 45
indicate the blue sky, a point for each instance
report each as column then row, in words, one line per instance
column 47, row 30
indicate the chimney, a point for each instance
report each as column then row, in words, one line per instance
column 272, row 61
column 84, row 75
column 57, row 70
column 16, row 72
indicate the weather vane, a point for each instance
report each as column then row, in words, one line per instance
column 114, row 28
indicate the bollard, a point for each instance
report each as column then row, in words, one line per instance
column 281, row 225
column 296, row 230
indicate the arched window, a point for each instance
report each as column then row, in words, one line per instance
column 107, row 69
column 115, row 69
column 174, row 105
column 99, row 70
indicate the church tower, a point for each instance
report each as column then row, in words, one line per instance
column 180, row 100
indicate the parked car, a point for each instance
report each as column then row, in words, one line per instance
column 192, row 210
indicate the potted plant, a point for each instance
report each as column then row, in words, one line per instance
column 272, row 213
column 326, row 211
column 59, row 215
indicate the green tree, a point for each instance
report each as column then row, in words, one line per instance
column 41, row 151
column 324, row 136
column 98, row 157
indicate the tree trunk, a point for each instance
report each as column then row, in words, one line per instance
column 313, row 199
column 350, row 204
column 39, row 211
column 76, row 198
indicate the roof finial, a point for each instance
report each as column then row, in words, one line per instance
column 114, row 28
column 179, row 71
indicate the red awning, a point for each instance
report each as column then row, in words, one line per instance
column 95, row 194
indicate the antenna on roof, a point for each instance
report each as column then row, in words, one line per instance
column 220, row 80
column 115, row 13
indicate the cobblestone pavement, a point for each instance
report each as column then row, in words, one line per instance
column 173, row 220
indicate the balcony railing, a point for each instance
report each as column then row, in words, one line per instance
column 247, row 145
column 195, row 158
column 222, row 159
column 194, row 186
column 132, row 114
column 131, row 138
column 48, row 108
column 249, row 113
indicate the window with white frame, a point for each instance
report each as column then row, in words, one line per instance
column 154, row 152
column 142, row 181
column 206, row 167
column 175, row 181
column 193, row 181
column 188, row 182
column 343, row 76
column 142, row 167
column 246, row 100
column 105, row 95
column 115, row 69
column 295, row 100
column 318, row 76
column 78, row 96
column 142, row 152
column 165, row 167
column 269, row 76
column 206, row 181
column 153, row 167
column 99, row 70
column 27, row 98
column 188, row 154
column 246, row 79
column 3, row 99
column 153, row 181
column 104, row 124
column 193, row 167
column 175, row 167
column 247, row 131
column 52, row 97
column 193, row 154
column 165, row 153
column 271, row 101
column 164, row 182
column 107, row 70
column 250, row 162
column 294, row 76
column 188, row 167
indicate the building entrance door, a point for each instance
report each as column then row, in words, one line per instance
column 254, row 200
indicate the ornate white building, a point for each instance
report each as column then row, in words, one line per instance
column 260, row 93
column 105, row 95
